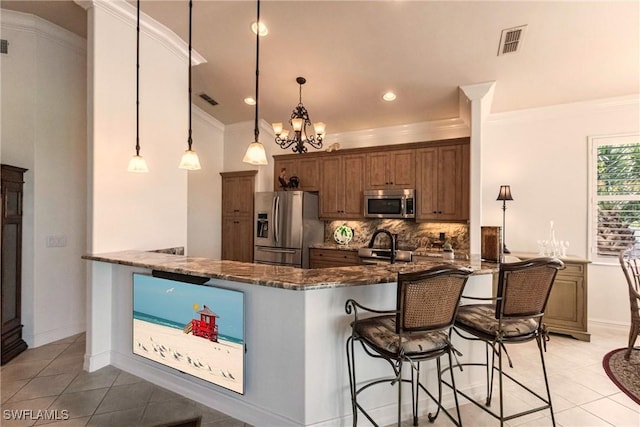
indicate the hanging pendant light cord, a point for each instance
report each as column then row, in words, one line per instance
column 256, row 132
column 189, row 141
column 138, row 83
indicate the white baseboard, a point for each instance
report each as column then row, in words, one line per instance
column 40, row 339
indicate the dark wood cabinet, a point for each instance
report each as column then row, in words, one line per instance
column 238, row 189
column 305, row 167
column 442, row 183
column 11, row 286
column 342, row 186
column 391, row 169
column 327, row 258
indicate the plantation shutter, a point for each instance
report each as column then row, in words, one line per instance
column 617, row 196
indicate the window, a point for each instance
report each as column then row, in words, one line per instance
column 614, row 194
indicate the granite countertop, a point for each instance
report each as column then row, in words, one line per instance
column 291, row 278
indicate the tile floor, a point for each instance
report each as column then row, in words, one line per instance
column 51, row 377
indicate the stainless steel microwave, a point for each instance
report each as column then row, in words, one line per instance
column 392, row 203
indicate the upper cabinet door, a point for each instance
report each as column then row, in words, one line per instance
column 377, row 175
column 342, row 186
column 402, row 169
column 306, row 168
column 453, row 184
column 353, row 185
column 331, row 194
column 390, row 169
column 427, row 184
column 442, row 183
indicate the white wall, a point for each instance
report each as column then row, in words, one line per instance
column 135, row 210
column 44, row 130
column 542, row 153
column 204, row 210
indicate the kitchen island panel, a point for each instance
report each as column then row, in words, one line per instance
column 295, row 372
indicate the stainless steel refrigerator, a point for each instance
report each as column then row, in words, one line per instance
column 286, row 225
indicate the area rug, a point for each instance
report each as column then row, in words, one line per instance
column 624, row 373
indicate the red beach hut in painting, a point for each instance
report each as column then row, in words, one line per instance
column 205, row 327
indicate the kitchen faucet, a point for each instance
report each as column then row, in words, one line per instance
column 393, row 237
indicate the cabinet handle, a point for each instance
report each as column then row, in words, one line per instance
column 434, row 212
column 236, row 210
column 236, row 222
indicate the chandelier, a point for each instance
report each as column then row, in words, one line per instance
column 299, row 121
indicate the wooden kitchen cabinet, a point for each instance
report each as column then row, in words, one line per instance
column 327, row 258
column 237, row 238
column 341, row 186
column 238, row 189
column 306, row 168
column 442, row 183
column 12, row 343
column 390, row 169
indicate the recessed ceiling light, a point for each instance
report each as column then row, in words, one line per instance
column 250, row 101
column 389, row 96
column 263, row 28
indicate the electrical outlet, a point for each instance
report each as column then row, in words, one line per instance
column 56, row 241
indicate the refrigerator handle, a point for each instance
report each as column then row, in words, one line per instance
column 276, row 218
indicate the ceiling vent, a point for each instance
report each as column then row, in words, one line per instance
column 4, row 46
column 511, row 40
column 209, row 99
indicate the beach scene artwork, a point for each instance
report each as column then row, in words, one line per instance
column 196, row 329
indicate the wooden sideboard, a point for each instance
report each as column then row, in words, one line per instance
column 566, row 311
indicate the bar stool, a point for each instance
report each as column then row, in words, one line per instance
column 417, row 330
column 514, row 316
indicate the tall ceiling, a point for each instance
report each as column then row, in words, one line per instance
column 351, row 52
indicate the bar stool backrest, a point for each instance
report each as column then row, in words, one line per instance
column 524, row 287
column 428, row 300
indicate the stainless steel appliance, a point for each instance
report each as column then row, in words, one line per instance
column 392, row 203
column 286, row 225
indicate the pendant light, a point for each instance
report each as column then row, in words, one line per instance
column 190, row 159
column 137, row 163
column 256, row 154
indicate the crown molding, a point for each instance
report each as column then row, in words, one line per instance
column 149, row 26
column 206, row 117
column 567, row 110
column 400, row 134
column 28, row 23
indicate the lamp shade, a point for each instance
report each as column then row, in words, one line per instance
column 137, row 164
column 505, row 193
column 277, row 128
column 190, row 161
column 255, row 154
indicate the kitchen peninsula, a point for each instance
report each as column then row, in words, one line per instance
column 295, row 332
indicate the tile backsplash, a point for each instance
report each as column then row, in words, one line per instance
column 411, row 235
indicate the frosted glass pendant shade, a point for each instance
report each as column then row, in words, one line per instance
column 137, row 164
column 190, row 161
column 255, row 154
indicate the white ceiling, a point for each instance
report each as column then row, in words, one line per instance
column 351, row 52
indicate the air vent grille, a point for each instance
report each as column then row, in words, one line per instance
column 511, row 40
column 209, row 99
column 4, row 46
